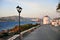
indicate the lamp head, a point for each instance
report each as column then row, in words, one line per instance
column 19, row 9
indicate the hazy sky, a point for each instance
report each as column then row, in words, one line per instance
column 31, row 8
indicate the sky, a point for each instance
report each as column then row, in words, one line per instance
column 31, row 8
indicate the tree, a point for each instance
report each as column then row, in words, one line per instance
column 58, row 8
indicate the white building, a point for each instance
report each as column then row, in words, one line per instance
column 46, row 20
column 56, row 22
column 59, row 22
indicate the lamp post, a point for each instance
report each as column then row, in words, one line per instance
column 19, row 9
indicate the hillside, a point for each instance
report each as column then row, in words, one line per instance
column 14, row 18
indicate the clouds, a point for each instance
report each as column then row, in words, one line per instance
column 11, row 0
column 31, row 4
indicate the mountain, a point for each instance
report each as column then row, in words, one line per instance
column 14, row 18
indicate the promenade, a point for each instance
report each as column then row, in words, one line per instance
column 45, row 32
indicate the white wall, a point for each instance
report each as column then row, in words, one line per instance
column 46, row 20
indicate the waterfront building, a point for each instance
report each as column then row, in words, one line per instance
column 46, row 20
column 59, row 22
column 56, row 22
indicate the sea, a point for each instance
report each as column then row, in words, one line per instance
column 9, row 25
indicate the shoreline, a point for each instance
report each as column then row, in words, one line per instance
column 14, row 30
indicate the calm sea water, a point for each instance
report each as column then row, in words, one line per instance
column 9, row 25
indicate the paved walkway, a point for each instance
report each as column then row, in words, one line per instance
column 44, row 32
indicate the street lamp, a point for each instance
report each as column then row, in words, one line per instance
column 19, row 9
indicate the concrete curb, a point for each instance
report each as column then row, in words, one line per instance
column 22, row 33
